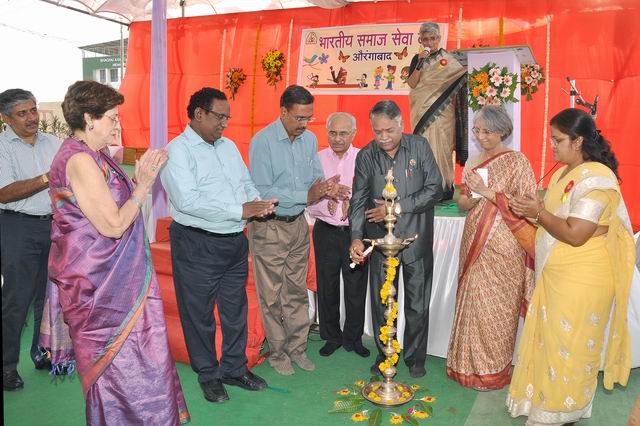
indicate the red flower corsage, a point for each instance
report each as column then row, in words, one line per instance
column 443, row 62
column 567, row 189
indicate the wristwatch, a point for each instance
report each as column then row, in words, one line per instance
column 45, row 179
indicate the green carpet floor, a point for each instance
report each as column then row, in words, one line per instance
column 301, row 399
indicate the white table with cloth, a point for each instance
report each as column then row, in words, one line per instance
column 448, row 227
column 446, row 253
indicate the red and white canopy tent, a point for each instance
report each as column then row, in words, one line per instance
column 593, row 41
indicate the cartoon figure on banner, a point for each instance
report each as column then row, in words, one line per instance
column 314, row 78
column 377, row 77
column 362, row 81
column 340, row 77
column 404, row 74
column 391, row 71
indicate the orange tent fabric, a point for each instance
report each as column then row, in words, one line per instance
column 592, row 41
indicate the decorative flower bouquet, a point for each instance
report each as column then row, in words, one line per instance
column 272, row 63
column 350, row 400
column 235, row 78
column 491, row 85
column 531, row 76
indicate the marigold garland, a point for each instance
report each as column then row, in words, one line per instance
column 384, row 297
column 491, row 85
column 235, row 79
column 531, row 76
column 272, row 63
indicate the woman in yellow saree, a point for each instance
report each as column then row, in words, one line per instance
column 584, row 264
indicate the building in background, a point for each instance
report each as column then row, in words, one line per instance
column 105, row 62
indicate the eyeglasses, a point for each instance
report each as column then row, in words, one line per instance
column 114, row 119
column 333, row 134
column 221, row 117
column 431, row 38
column 483, row 132
column 300, row 119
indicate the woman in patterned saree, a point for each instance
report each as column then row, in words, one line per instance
column 101, row 267
column 584, row 264
column 496, row 258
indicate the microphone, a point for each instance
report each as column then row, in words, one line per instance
column 421, row 60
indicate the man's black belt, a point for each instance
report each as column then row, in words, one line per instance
column 212, row 234
column 31, row 216
column 287, row 219
column 336, row 227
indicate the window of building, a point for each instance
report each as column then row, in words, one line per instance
column 113, row 75
column 103, row 76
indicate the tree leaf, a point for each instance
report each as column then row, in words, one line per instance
column 352, row 397
column 428, row 409
column 420, row 393
column 346, row 406
column 411, row 420
column 375, row 417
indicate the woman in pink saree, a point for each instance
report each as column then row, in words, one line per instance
column 100, row 263
column 496, row 258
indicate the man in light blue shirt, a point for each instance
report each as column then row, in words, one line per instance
column 25, row 226
column 285, row 165
column 211, row 196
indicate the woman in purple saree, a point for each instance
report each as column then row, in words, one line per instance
column 100, row 264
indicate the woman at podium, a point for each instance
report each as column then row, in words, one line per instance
column 435, row 79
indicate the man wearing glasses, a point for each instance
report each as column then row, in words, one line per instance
column 25, row 226
column 285, row 165
column 212, row 196
column 331, row 240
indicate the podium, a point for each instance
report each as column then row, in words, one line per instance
column 511, row 57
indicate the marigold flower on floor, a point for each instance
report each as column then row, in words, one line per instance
column 415, row 387
column 359, row 382
column 359, row 417
column 419, row 414
column 396, row 420
column 344, row 392
column 428, row 399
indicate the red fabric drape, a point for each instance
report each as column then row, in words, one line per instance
column 592, row 41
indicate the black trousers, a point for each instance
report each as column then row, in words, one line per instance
column 417, row 278
column 208, row 271
column 331, row 247
column 24, row 253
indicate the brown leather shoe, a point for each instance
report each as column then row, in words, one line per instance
column 303, row 362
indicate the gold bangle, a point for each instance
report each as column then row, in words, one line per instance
column 135, row 201
column 45, row 179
